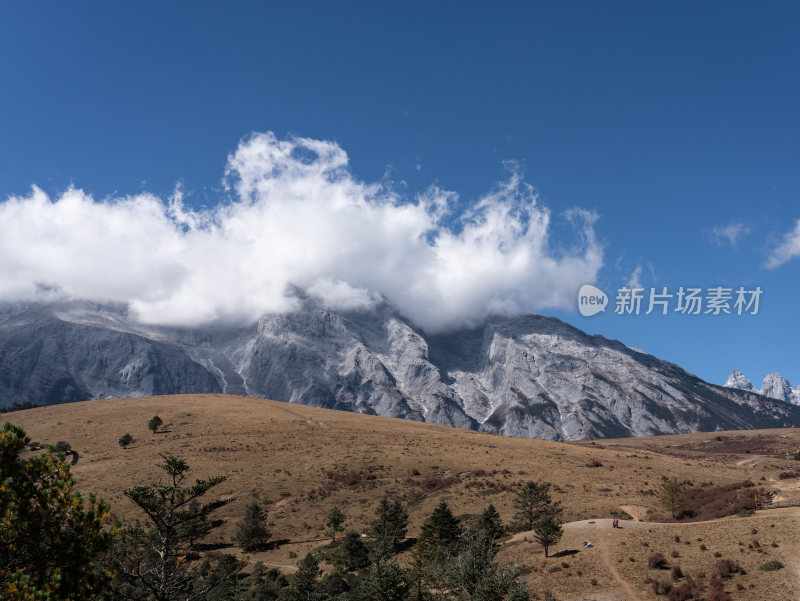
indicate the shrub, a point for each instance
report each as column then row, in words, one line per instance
column 657, row 561
column 685, row 591
column 677, row 573
column 125, row 441
column 724, row 568
column 771, row 566
column 63, row 447
column 594, row 463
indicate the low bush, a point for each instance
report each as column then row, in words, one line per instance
column 657, row 561
column 771, row 566
column 725, row 568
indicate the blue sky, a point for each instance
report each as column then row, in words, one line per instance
column 670, row 121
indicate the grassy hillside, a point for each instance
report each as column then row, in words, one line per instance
column 302, row 461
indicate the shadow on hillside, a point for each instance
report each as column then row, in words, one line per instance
column 212, row 546
column 565, row 553
column 406, row 544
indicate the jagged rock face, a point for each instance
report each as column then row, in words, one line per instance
column 776, row 387
column 773, row 386
column 45, row 360
column 529, row 376
column 738, row 380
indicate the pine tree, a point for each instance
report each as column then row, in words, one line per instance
column 159, row 561
column 547, row 532
column 306, row 581
column 252, row 534
column 383, row 581
column 334, row 520
column 50, row 537
column 532, row 503
column 125, row 441
column 391, row 524
column 490, row 523
column 352, row 553
column 475, row 574
column 199, row 527
column 440, row 532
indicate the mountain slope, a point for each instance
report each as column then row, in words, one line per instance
column 528, row 376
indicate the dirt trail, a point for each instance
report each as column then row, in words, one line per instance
column 605, row 555
column 594, row 532
column 751, row 461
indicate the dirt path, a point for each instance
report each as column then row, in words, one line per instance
column 751, row 461
column 594, row 530
column 605, row 555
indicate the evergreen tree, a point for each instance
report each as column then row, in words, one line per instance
column 252, row 534
column 352, row 553
column 673, row 498
column 125, row 441
column 440, row 532
column 306, row 584
column 334, row 520
column 155, row 423
column 547, row 532
column 474, row 574
column 391, row 524
column 198, row 527
column 157, row 565
column 532, row 503
column 50, row 538
column 490, row 523
column 383, row 581
column 263, row 584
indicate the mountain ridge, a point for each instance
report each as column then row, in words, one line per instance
column 531, row 376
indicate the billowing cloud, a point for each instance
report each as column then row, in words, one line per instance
column 296, row 216
column 788, row 249
column 730, row 233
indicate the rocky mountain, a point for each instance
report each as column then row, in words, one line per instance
column 529, row 376
column 738, row 380
column 773, row 386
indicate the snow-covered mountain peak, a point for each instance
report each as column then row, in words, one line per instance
column 738, row 380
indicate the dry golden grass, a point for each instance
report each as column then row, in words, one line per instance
column 302, row 461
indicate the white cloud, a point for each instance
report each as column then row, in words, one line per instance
column 789, row 249
column 296, row 216
column 730, row 233
column 635, row 281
